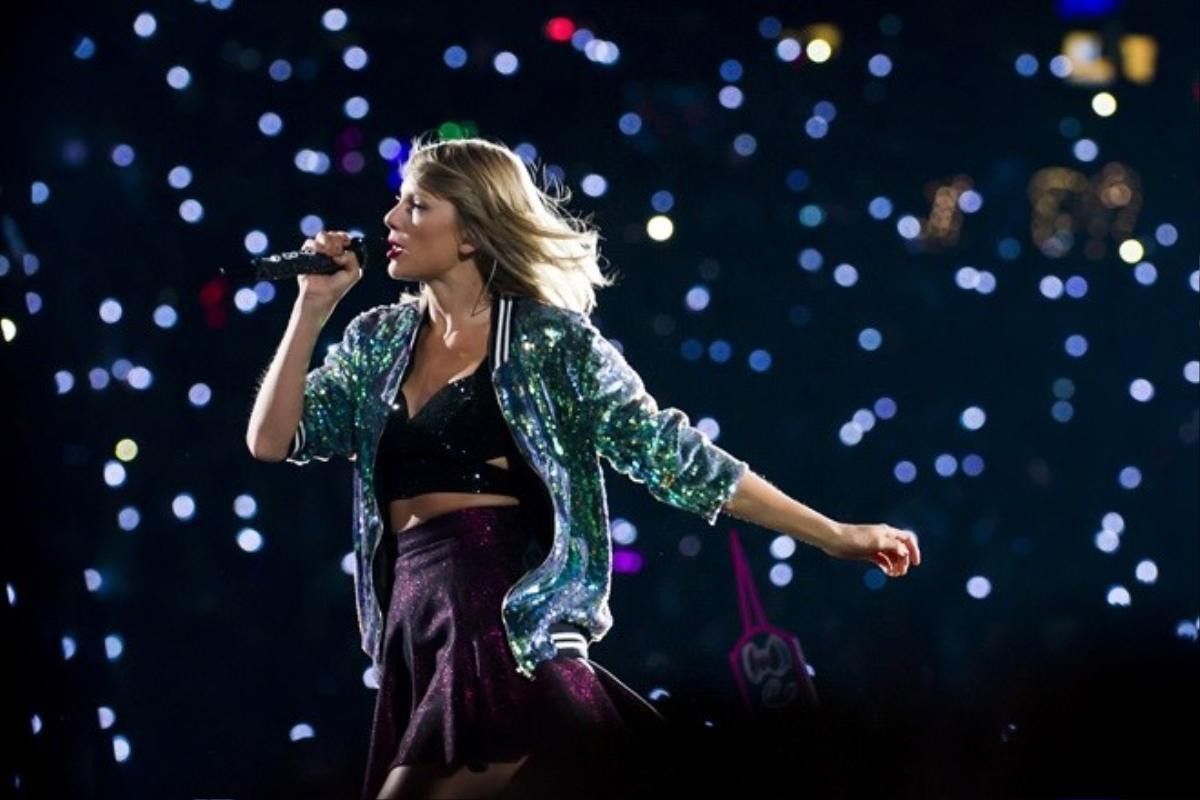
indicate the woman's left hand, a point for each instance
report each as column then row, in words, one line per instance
column 891, row 549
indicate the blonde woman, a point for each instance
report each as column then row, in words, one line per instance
column 476, row 412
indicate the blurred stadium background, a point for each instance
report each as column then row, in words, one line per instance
column 933, row 265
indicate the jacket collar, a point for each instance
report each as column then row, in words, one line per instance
column 499, row 338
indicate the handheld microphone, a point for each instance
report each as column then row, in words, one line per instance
column 296, row 262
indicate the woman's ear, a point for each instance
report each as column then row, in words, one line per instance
column 466, row 245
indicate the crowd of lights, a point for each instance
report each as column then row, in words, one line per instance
column 1093, row 207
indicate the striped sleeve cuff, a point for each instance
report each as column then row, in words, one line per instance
column 297, row 441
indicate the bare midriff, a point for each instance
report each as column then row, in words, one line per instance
column 410, row 511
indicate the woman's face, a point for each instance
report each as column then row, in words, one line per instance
column 427, row 227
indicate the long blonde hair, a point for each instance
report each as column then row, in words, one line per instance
column 527, row 243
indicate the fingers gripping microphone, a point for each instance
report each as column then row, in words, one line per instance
column 297, row 262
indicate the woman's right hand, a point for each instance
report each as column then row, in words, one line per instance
column 325, row 291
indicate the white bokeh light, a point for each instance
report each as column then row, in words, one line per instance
column 183, row 506
column 979, row 587
column 145, row 25
column 1119, row 596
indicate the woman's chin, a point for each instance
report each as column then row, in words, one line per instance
column 401, row 271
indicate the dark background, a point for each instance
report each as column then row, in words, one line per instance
column 1042, row 688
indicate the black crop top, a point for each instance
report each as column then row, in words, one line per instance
column 445, row 449
column 446, row 446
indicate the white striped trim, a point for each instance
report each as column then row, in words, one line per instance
column 574, row 645
column 573, row 642
column 567, row 637
column 503, row 327
column 298, row 440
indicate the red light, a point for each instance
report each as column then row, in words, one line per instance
column 560, row 29
column 213, row 292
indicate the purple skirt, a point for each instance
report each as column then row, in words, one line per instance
column 450, row 692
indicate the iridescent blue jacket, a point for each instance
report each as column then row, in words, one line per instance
column 569, row 397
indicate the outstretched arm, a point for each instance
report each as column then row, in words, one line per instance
column 682, row 467
column 757, row 501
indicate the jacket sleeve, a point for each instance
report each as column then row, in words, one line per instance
column 660, row 448
column 326, row 426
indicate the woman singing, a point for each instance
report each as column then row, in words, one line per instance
column 475, row 413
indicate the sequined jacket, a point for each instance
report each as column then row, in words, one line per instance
column 568, row 396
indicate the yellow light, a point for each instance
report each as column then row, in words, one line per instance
column 1104, row 104
column 825, row 32
column 8, row 328
column 660, row 228
column 1138, row 56
column 818, row 51
column 1131, row 251
column 126, row 450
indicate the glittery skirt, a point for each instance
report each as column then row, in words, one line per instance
column 450, row 692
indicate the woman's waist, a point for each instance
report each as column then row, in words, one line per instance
column 466, row 521
column 408, row 513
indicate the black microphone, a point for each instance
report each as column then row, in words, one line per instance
column 293, row 263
